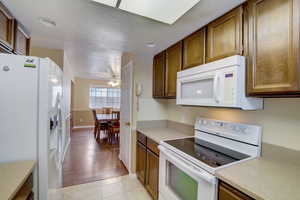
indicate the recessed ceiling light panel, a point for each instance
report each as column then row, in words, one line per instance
column 167, row 11
column 112, row 3
column 150, row 44
column 47, row 22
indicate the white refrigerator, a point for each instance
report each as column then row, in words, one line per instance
column 31, row 125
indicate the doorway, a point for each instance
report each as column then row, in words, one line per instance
column 90, row 159
column 126, row 114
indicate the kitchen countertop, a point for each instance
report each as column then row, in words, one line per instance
column 160, row 134
column 159, row 130
column 274, row 176
column 12, row 177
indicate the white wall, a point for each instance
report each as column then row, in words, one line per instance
column 149, row 108
column 280, row 119
column 68, row 78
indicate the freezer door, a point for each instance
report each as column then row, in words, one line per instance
column 18, row 107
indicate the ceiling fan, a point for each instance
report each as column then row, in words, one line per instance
column 115, row 78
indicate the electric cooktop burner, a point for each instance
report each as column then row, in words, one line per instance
column 209, row 153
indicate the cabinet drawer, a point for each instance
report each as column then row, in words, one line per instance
column 153, row 146
column 226, row 192
column 141, row 138
column 25, row 193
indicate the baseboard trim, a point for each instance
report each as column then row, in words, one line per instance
column 79, row 127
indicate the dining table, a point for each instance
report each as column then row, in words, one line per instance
column 104, row 117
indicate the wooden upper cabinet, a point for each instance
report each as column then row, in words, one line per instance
column 6, row 28
column 273, row 45
column 194, row 49
column 159, row 65
column 226, row 192
column 22, row 40
column 173, row 65
column 225, row 36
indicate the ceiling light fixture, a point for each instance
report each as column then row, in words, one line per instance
column 47, row 22
column 114, row 83
column 151, row 44
column 112, row 3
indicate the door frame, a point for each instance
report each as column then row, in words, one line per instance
column 130, row 67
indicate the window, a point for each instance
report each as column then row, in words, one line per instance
column 104, row 97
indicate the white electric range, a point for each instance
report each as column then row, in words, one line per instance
column 188, row 165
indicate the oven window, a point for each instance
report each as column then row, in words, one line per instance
column 197, row 89
column 184, row 186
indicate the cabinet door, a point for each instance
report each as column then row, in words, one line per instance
column 22, row 40
column 159, row 63
column 224, row 35
column 6, row 28
column 152, row 174
column 273, row 45
column 141, row 154
column 194, row 49
column 226, row 192
column 173, row 65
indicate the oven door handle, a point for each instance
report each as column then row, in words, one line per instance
column 188, row 167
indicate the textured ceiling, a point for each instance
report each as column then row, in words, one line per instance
column 94, row 36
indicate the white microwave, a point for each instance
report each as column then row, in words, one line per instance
column 219, row 84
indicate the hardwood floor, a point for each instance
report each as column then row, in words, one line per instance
column 88, row 160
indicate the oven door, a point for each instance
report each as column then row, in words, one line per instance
column 182, row 180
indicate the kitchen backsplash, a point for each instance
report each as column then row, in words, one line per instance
column 280, row 119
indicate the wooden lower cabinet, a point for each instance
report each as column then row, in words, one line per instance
column 147, row 164
column 141, row 155
column 227, row 192
column 25, row 192
column 152, row 174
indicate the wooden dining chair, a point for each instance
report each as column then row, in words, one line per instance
column 116, row 114
column 114, row 127
column 113, row 131
column 99, row 125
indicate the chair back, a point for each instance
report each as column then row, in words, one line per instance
column 116, row 115
column 107, row 110
column 94, row 115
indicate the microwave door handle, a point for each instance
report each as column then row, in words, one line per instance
column 187, row 167
column 218, row 89
column 215, row 86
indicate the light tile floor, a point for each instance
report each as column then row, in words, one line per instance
column 120, row 188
